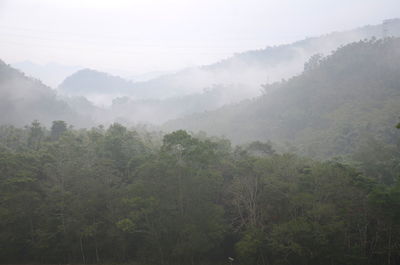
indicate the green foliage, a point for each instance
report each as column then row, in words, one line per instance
column 111, row 195
column 58, row 128
column 249, row 248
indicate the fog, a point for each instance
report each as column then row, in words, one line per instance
column 172, row 132
column 208, row 87
column 136, row 37
column 23, row 99
column 51, row 73
column 155, row 61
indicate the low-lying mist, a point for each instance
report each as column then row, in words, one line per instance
column 93, row 97
column 202, row 88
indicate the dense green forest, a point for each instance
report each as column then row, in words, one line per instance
column 191, row 132
column 337, row 104
column 308, row 173
column 113, row 195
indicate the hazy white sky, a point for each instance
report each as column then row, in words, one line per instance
column 139, row 36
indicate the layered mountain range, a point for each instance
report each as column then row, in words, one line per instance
column 320, row 94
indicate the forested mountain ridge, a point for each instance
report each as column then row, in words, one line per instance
column 204, row 88
column 212, row 132
column 324, row 44
column 118, row 195
column 24, row 99
column 255, row 67
column 324, row 111
column 250, row 68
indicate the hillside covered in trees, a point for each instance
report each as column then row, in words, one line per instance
column 240, row 76
column 104, row 98
column 304, row 171
column 330, row 109
column 24, row 99
column 107, row 195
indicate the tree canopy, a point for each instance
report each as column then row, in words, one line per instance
column 107, row 195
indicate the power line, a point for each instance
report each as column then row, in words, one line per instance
column 67, row 36
column 101, row 50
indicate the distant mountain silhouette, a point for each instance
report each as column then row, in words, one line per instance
column 51, row 74
column 249, row 69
